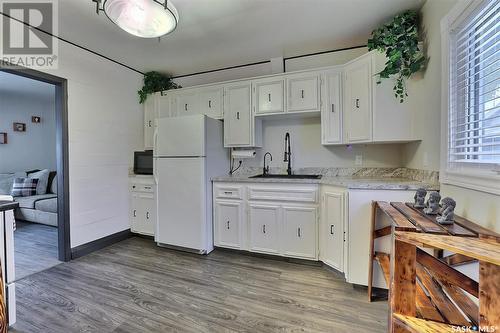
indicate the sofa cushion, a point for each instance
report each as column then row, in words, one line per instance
column 47, row 205
column 53, row 186
column 6, row 181
column 24, row 187
column 29, row 202
column 43, row 180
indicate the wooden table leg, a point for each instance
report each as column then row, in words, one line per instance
column 372, row 245
column 403, row 280
column 489, row 300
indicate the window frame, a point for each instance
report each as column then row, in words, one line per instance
column 473, row 176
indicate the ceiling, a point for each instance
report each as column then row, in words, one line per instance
column 15, row 85
column 220, row 33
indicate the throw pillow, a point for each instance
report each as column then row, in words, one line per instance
column 43, row 180
column 24, row 187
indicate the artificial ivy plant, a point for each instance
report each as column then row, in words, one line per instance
column 154, row 82
column 399, row 40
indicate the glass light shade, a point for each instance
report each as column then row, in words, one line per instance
column 142, row 18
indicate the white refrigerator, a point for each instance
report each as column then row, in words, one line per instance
column 188, row 152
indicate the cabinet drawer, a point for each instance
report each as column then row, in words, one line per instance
column 295, row 194
column 229, row 191
column 148, row 188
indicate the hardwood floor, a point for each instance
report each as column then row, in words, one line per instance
column 35, row 247
column 134, row 286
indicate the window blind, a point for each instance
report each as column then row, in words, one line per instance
column 474, row 114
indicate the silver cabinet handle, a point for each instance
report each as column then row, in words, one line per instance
column 147, row 187
column 298, row 232
column 149, row 123
column 227, row 225
column 147, row 215
column 269, row 97
column 331, row 229
column 264, row 228
column 228, row 193
column 333, row 108
column 135, row 213
column 185, row 107
column 357, row 103
column 209, row 104
column 238, row 115
column 302, row 93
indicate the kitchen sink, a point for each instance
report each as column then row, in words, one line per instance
column 288, row 176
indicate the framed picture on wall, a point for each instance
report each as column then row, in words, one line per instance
column 3, row 138
column 19, row 127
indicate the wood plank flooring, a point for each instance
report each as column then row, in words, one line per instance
column 134, row 286
column 35, row 247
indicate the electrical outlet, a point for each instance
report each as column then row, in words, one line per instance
column 426, row 159
column 359, row 160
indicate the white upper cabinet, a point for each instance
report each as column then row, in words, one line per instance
column 164, row 103
column 303, row 93
column 269, row 96
column 358, row 100
column 210, row 102
column 238, row 118
column 331, row 114
column 149, row 121
column 186, row 103
column 392, row 121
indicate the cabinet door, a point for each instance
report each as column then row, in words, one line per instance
column 269, row 96
column 264, row 227
column 228, row 224
column 210, row 103
column 145, row 214
column 358, row 100
column 238, row 122
column 149, row 121
column 332, row 230
column 300, row 232
column 331, row 116
column 135, row 211
column 303, row 93
column 164, row 105
column 186, row 103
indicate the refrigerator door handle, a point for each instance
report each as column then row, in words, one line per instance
column 155, row 140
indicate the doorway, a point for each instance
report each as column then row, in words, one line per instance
column 61, row 186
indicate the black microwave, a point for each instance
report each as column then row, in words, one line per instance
column 143, row 162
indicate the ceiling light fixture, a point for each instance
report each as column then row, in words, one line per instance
column 141, row 18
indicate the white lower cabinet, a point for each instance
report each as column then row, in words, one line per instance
column 228, row 223
column 331, row 232
column 300, row 231
column 276, row 219
column 142, row 205
column 264, row 222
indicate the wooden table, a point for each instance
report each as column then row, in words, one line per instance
column 426, row 293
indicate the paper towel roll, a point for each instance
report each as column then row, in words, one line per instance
column 243, row 153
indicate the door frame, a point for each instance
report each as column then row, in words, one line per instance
column 62, row 164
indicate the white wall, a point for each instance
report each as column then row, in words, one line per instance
column 105, row 127
column 307, row 150
column 35, row 148
column 482, row 208
column 305, row 132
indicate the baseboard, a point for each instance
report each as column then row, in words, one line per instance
column 84, row 249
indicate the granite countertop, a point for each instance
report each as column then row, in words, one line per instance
column 350, row 182
column 8, row 205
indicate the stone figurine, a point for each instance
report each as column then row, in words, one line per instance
column 447, row 211
column 420, row 198
column 432, row 204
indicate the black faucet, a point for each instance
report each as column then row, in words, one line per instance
column 265, row 170
column 288, row 154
